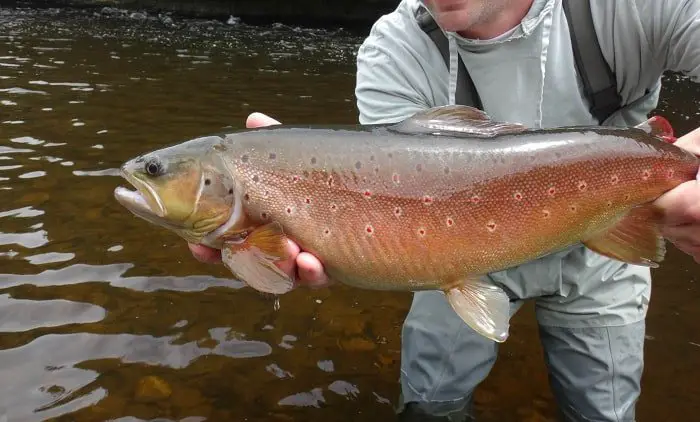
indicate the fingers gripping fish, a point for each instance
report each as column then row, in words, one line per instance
column 435, row 202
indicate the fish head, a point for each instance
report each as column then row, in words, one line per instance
column 180, row 188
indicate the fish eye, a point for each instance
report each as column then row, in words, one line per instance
column 153, row 167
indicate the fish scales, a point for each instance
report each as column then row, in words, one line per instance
column 427, row 210
column 433, row 202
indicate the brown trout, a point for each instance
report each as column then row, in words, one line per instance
column 434, row 202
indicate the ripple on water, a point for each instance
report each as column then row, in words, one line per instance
column 18, row 315
column 29, row 240
column 32, row 174
column 52, row 360
column 50, row 258
column 24, row 212
column 113, row 274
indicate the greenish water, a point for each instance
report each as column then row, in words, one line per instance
column 103, row 317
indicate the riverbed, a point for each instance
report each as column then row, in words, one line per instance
column 104, row 317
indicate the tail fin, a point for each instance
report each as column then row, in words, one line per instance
column 659, row 127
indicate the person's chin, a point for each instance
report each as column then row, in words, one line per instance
column 452, row 21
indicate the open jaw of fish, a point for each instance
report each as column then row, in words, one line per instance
column 432, row 203
column 143, row 201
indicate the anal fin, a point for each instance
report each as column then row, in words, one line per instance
column 635, row 239
column 252, row 260
column 483, row 306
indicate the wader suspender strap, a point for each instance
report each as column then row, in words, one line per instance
column 465, row 93
column 599, row 83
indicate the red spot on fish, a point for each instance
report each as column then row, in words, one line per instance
column 427, row 200
column 330, row 181
column 421, row 232
column 546, row 213
column 246, row 197
column 627, row 196
column 614, row 179
column 289, row 210
column 449, row 222
column 518, row 196
column 334, row 207
column 582, row 185
column 491, row 226
column 397, row 211
column 475, row 199
column 646, row 174
column 367, row 194
column 395, row 178
column 669, row 173
column 369, row 229
column 326, row 231
column 307, row 200
column 573, row 208
column 609, row 204
column 551, row 191
column 295, row 178
column 263, row 215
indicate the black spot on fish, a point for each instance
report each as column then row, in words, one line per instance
column 305, row 173
column 419, row 167
column 358, row 165
column 273, row 156
column 230, row 191
column 371, row 158
column 447, row 170
column 207, row 182
column 313, row 160
column 256, row 178
column 244, row 158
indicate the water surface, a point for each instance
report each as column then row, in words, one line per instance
column 103, row 317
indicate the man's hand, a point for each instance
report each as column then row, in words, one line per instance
column 308, row 269
column 680, row 206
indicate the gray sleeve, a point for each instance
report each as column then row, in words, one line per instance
column 672, row 28
column 392, row 68
column 384, row 89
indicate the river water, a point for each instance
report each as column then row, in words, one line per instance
column 104, row 317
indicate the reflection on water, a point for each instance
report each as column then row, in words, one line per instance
column 103, row 317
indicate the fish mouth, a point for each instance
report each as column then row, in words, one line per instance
column 143, row 201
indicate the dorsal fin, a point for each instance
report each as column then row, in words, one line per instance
column 456, row 120
column 659, row 127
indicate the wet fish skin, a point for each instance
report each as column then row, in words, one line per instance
column 434, row 202
column 420, row 211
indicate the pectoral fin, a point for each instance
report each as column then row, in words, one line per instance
column 635, row 239
column 252, row 260
column 485, row 307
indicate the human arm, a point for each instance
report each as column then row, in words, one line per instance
column 673, row 30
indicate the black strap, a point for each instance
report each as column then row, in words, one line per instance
column 599, row 83
column 465, row 93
